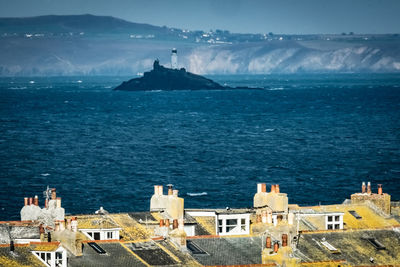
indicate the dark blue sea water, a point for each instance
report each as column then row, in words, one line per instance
column 318, row 136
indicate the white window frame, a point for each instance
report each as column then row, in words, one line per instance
column 239, row 227
column 104, row 233
column 331, row 221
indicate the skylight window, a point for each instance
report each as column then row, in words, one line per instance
column 97, row 248
column 355, row 214
column 378, row 245
column 194, row 249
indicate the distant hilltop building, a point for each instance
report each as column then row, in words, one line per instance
column 174, row 58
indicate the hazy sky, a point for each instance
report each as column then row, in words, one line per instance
column 278, row 16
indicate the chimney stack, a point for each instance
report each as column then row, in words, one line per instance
column 170, row 189
column 380, row 191
column 284, row 240
column 277, row 190
column 273, row 188
column 25, row 201
column 53, row 194
column 36, row 201
column 268, row 243
column 175, row 224
column 276, row 247
column 363, row 188
column 369, row 188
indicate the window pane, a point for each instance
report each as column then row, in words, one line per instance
column 230, row 228
column 337, row 226
column 219, row 229
column 219, row 222
column 243, row 221
column 96, row 236
column 232, row 222
column 337, row 218
column 329, row 226
column 330, row 218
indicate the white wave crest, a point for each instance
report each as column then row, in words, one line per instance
column 197, row 194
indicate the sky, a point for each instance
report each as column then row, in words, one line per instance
column 241, row 16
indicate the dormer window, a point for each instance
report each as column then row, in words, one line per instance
column 334, row 221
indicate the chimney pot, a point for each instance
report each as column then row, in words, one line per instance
column 268, row 243
column 25, row 201
column 36, row 201
column 69, row 224
column 258, row 218
column 53, row 194
column 259, row 188
column 160, row 190
column 264, row 216
column 273, row 188
column 284, row 240
column 175, row 192
column 30, row 201
column 276, row 247
column 363, row 188
column 156, row 190
column 167, row 223
column 277, row 190
column 263, row 187
column 175, row 224
column 161, row 222
column 369, row 188
column 170, row 189
column 380, row 190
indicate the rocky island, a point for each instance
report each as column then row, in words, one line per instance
column 162, row 78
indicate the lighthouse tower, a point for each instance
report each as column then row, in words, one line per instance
column 174, row 58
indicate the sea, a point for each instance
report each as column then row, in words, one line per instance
column 318, row 136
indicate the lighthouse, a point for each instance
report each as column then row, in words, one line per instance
column 174, row 58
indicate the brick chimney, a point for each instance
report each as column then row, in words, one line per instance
column 363, row 188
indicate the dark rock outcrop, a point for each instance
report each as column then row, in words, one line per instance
column 161, row 78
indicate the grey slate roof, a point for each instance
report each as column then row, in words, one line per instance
column 228, row 251
column 151, row 253
column 8, row 231
column 116, row 255
column 353, row 247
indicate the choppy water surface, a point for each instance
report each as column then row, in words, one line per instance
column 318, row 136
